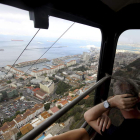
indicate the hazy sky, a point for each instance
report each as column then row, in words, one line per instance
column 16, row 22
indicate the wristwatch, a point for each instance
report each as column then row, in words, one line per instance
column 106, row 104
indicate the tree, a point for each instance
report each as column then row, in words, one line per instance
column 77, row 116
column 81, row 102
column 18, row 112
column 77, row 109
column 19, row 135
column 62, row 87
column 28, row 99
column 21, row 79
column 59, row 106
column 21, row 94
column 47, row 106
column 89, row 102
column 8, row 82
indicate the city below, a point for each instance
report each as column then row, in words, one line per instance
column 32, row 91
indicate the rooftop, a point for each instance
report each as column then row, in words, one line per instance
column 54, row 109
column 26, row 128
column 40, row 92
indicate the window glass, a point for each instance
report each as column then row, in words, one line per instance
column 126, row 64
column 31, row 91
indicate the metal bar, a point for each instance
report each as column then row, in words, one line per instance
column 39, row 129
column 84, row 125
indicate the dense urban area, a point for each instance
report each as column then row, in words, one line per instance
column 28, row 99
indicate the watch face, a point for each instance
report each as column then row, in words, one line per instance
column 106, row 105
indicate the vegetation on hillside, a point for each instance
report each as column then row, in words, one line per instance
column 82, row 68
column 62, row 87
column 78, row 112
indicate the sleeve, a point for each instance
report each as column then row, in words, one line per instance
column 109, row 132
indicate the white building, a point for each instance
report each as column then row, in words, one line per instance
column 47, row 86
column 59, row 77
column 70, row 63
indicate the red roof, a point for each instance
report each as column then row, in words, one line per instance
column 63, row 102
column 54, row 109
column 30, row 87
column 40, row 92
column 69, row 97
column 36, row 89
column 86, row 97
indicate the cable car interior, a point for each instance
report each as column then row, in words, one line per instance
column 111, row 17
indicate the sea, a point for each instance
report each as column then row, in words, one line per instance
column 10, row 50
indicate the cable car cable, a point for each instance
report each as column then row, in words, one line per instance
column 49, row 47
column 22, row 52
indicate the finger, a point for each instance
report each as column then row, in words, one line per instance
column 101, row 123
column 104, row 124
column 130, row 102
column 129, row 106
column 108, row 124
column 126, row 95
column 130, row 99
column 98, row 121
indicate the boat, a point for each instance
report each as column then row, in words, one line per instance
column 1, row 49
column 16, row 40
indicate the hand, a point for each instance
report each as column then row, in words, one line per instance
column 103, row 122
column 124, row 101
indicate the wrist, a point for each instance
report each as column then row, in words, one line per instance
column 111, row 102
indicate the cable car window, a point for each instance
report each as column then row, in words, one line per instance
column 126, row 64
column 41, row 70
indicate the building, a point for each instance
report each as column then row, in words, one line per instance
column 22, row 119
column 27, row 63
column 9, row 75
column 73, row 98
column 15, row 85
column 53, row 110
column 25, row 129
column 86, row 56
column 44, row 115
column 52, row 70
column 86, row 97
column 1, row 96
column 40, row 94
column 47, row 86
column 11, row 134
column 59, row 77
column 7, row 126
column 62, row 103
column 70, row 63
column 73, row 93
column 14, row 70
column 30, row 90
column 36, row 81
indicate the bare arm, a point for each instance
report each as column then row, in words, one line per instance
column 119, row 101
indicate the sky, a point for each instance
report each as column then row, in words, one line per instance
column 15, row 22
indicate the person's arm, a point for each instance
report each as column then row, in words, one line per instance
column 119, row 101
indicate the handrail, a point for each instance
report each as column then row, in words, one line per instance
column 84, row 125
column 40, row 128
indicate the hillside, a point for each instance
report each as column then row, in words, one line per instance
column 132, row 70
